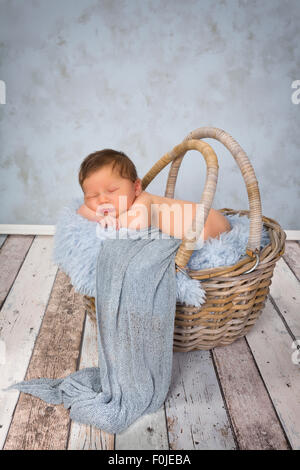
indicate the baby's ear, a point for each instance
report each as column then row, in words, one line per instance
column 138, row 186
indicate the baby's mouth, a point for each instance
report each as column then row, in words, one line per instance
column 105, row 210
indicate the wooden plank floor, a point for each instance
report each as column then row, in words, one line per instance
column 242, row 396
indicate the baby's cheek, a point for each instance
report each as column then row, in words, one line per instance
column 88, row 204
column 122, row 205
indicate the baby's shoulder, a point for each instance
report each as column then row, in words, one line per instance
column 144, row 198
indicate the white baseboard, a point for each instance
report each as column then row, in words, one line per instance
column 292, row 234
column 13, row 229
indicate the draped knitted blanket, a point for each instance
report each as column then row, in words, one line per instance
column 135, row 309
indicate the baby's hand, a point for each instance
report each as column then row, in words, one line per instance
column 109, row 221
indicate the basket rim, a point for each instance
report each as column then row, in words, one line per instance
column 247, row 262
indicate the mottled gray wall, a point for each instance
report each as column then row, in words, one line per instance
column 138, row 76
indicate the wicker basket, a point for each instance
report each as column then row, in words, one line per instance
column 235, row 295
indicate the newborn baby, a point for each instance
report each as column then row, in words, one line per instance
column 113, row 196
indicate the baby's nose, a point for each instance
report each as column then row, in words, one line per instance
column 103, row 199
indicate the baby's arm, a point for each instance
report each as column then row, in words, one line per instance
column 138, row 215
column 134, row 218
column 216, row 223
column 84, row 211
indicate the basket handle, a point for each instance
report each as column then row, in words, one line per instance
column 255, row 233
column 187, row 246
column 253, row 247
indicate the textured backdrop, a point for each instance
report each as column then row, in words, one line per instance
column 138, row 76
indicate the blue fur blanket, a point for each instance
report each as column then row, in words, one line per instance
column 77, row 242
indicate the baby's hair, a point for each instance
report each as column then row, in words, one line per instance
column 96, row 160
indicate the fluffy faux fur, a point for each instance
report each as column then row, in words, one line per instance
column 77, row 241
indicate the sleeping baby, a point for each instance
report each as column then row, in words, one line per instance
column 113, row 196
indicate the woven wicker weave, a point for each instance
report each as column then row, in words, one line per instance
column 235, row 295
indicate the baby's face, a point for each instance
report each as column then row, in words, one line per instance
column 105, row 188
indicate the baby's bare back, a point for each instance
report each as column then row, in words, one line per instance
column 175, row 216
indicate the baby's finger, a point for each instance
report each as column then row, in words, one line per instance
column 111, row 221
column 102, row 222
column 99, row 218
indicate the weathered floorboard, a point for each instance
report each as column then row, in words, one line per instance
column 2, row 239
column 271, row 346
column 285, row 291
column 20, row 320
column 196, row 414
column 252, row 414
column 12, row 255
column 292, row 257
column 146, row 433
column 36, row 424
